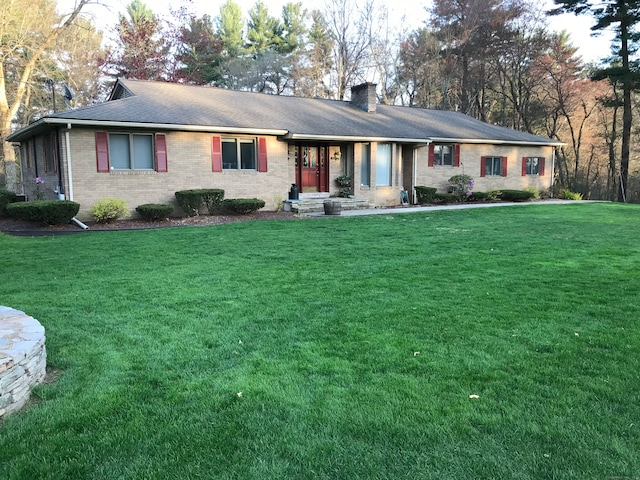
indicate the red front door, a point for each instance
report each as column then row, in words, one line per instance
column 312, row 169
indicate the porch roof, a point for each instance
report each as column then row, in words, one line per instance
column 168, row 106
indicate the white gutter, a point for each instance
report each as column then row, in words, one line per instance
column 496, row 142
column 156, row 126
column 344, row 138
column 68, row 148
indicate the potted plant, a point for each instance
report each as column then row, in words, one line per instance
column 344, row 182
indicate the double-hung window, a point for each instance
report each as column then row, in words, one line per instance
column 238, row 154
column 131, row 151
column 365, row 168
column 444, row 155
column 533, row 166
column 493, row 166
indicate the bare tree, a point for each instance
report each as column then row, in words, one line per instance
column 28, row 29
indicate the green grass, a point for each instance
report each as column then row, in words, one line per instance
column 336, row 348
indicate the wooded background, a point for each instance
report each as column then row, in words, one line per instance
column 494, row 60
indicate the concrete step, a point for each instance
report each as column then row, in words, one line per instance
column 314, row 205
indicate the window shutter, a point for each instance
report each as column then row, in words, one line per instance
column 262, row 154
column 216, row 154
column 102, row 151
column 504, row 166
column 483, row 166
column 161, row 153
column 456, row 155
column 524, row 166
column 431, row 155
column 541, row 168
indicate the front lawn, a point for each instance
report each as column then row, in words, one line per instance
column 336, row 348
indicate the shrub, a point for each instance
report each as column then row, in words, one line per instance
column 344, row 182
column 515, row 195
column 425, row 194
column 567, row 194
column 50, row 212
column 534, row 191
column 493, row 195
column 189, row 201
column 6, row 197
column 212, row 199
column 109, row 209
column 478, row 196
column 154, row 211
column 461, row 186
column 242, row 206
column 445, row 198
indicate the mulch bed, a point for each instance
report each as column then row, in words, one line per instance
column 19, row 227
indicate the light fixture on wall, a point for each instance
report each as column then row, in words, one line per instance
column 337, row 156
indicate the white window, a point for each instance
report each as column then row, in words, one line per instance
column 238, row 154
column 129, row 151
column 383, row 165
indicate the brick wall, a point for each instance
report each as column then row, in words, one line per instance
column 189, row 166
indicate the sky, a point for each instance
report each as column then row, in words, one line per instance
column 409, row 14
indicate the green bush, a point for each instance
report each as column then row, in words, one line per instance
column 190, row 201
column 515, row 195
column 154, row 211
column 461, row 185
column 109, row 209
column 478, row 196
column 212, row 199
column 49, row 212
column 6, row 197
column 534, row 191
column 242, row 206
column 493, row 195
column 445, row 198
column 567, row 194
column 425, row 194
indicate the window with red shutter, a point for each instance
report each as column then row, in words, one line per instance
column 431, row 155
column 262, row 154
column 504, row 166
column 483, row 166
column 161, row 153
column 216, row 154
column 102, row 151
column 456, row 155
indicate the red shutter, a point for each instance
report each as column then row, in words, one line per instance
column 262, row 154
column 483, row 166
column 456, row 155
column 542, row 167
column 161, row 153
column 216, row 154
column 102, row 151
column 504, row 166
column 431, row 155
column 524, row 166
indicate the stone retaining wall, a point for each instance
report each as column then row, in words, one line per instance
column 23, row 358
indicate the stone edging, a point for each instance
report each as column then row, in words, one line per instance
column 23, row 358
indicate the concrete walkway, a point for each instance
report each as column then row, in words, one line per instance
column 410, row 209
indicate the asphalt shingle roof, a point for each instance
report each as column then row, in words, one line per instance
column 184, row 107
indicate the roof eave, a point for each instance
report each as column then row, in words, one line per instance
column 352, row 138
column 550, row 143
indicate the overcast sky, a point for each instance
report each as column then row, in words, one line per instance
column 404, row 13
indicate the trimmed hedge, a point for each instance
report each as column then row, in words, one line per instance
column 154, row 211
column 425, row 194
column 445, row 198
column 49, row 212
column 516, row 195
column 6, row 197
column 242, row 206
column 191, row 200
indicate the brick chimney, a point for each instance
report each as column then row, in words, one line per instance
column 363, row 96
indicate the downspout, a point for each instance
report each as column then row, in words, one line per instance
column 553, row 171
column 68, row 149
column 414, row 176
column 69, row 174
column 59, row 154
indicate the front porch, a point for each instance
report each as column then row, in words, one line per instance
column 314, row 203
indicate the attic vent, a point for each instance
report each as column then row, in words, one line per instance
column 363, row 96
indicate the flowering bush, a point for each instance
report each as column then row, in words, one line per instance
column 39, row 193
column 461, row 186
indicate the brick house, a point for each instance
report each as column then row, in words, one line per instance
column 151, row 139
